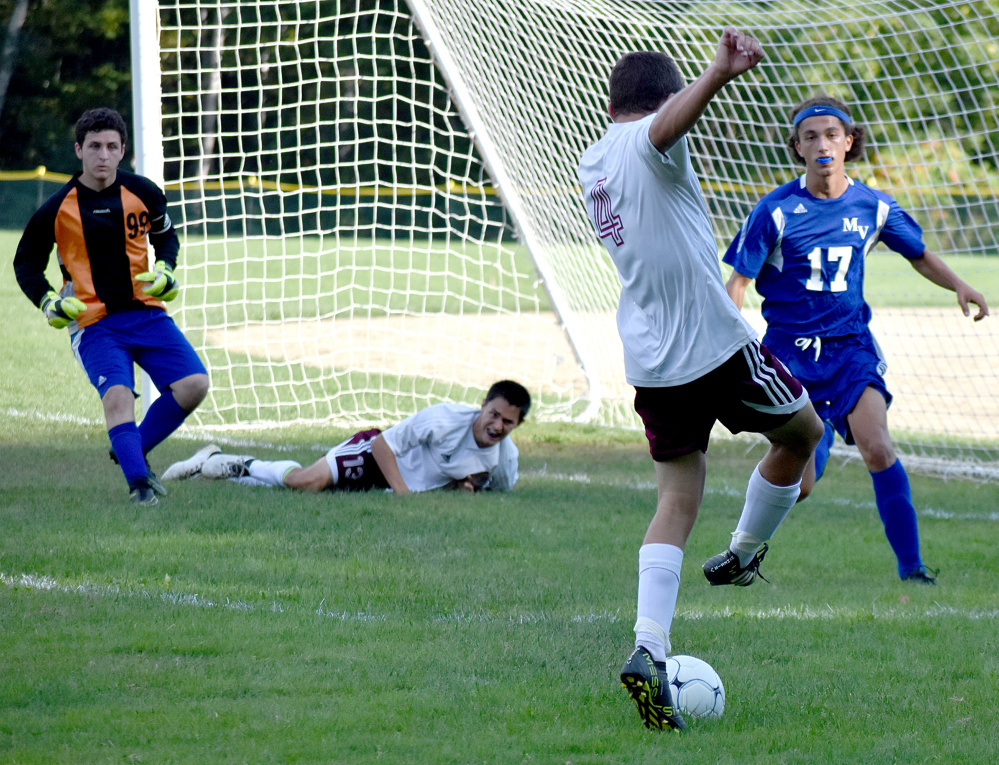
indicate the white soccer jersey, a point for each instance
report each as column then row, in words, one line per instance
column 676, row 320
column 436, row 445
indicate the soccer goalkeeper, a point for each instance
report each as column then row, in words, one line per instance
column 102, row 223
column 445, row 446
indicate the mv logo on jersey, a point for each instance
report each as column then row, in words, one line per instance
column 608, row 224
column 850, row 224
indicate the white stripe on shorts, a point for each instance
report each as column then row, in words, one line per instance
column 347, row 449
column 764, row 376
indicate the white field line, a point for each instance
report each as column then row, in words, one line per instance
column 199, row 436
column 728, row 491
column 34, row 414
column 202, row 437
column 931, row 466
column 204, row 433
column 944, row 469
column 947, row 515
column 47, row 584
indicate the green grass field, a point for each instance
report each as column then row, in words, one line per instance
column 237, row 625
column 252, row 625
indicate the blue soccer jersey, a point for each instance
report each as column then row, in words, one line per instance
column 807, row 255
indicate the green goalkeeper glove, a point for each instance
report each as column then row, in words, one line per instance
column 164, row 285
column 61, row 311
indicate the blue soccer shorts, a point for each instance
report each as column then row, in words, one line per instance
column 835, row 370
column 752, row 391
column 108, row 349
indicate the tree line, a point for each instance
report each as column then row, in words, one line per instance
column 60, row 58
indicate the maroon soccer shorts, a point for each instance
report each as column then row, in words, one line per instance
column 752, row 391
column 353, row 465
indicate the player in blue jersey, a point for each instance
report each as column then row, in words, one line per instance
column 805, row 243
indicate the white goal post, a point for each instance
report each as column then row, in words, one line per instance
column 380, row 210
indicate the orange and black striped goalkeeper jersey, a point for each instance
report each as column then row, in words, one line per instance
column 102, row 240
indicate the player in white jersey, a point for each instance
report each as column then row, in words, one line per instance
column 445, row 446
column 805, row 244
column 691, row 356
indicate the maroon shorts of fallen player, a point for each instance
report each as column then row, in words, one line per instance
column 353, row 465
column 752, row 391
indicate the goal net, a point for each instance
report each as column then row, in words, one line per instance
column 380, row 208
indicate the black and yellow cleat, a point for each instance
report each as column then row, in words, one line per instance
column 724, row 568
column 648, row 686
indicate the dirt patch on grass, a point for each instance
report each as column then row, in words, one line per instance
column 942, row 366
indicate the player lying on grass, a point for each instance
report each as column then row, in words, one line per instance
column 691, row 356
column 805, row 243
column 449, row 446
column 101, row 224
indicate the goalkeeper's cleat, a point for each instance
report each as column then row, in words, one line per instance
column 647, row 683
column 142, row 494
column 61, row 311
column 163, row 284
column 224, row 466
column 154, row 482
column 724, row 568
column 922, row 575
column 190, row 467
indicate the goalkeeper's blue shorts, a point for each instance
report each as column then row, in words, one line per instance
column 834, row 370
column 108, row 349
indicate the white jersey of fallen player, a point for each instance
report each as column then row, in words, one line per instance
column 436, row 445
column 676, row 320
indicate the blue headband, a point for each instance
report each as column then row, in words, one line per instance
column 820, row 109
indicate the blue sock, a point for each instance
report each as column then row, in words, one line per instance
column 165, row 415
column 127, row 446
column 822, row 450
column 894, row 500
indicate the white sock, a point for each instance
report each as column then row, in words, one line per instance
column 658, row 587
column 271, row 472
column 766, row 508
column 245, row 480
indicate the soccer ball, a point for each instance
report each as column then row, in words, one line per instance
column 697, row 689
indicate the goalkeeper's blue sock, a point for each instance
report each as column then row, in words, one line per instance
column 894, row 501
column 165, row 415
column 127, row 445
column 822, row 450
